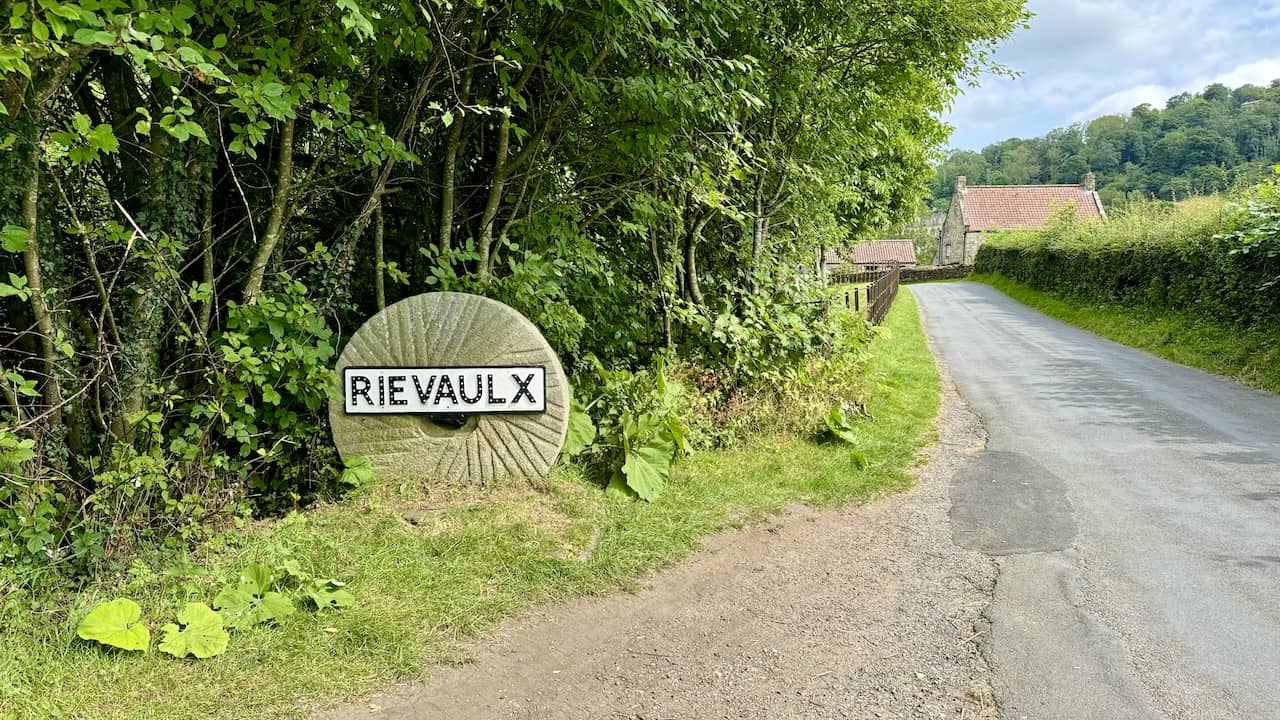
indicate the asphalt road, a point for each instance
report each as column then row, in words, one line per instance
column 1133, row 507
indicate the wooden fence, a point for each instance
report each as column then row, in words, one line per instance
column 880, row 294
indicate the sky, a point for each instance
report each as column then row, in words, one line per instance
column 1084, row 58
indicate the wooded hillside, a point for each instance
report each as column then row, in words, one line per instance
column 1197, row 144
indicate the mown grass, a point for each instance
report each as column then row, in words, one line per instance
column 467, row 560
column 1250, row 356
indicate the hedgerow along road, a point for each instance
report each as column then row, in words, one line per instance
column 1133, row 508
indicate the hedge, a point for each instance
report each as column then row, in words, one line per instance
column 1172, row 257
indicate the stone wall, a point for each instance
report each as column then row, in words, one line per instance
column 950, row 272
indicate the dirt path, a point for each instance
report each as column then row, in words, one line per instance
column 870, row 612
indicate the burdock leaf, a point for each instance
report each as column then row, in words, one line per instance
column 202, row 636
column 647, row 466
column 118, row 624
column 582, row 432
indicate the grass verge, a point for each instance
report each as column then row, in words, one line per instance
column 431, row 571
column 1249, row 356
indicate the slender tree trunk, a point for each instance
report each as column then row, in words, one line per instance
column 275, row 223
column 379, row 279
column 207, row 275
column 691, row 258
column 408, row 123
column 452, row 152
column 758, row 229
column 660, row 277
column 495, row 196
column 52, row 389
column 11, row 397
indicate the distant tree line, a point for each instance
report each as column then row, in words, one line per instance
column 1197, row 145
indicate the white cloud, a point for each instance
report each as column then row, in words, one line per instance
column 1084, row 58
column 1261, row 72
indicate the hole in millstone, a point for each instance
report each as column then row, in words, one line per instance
column 449, row 424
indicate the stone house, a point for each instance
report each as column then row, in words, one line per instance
column 983, row 208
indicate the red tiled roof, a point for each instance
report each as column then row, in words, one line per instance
column 1023, row 207
column 883, row 252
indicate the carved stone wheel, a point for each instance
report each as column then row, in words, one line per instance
column 453, row 330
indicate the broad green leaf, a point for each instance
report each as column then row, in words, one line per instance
column 259, row 576
column 330, row 594
column 356, row 472
column 582, row 432
column 117, row 623
column 647, row 456
column 237, row 605
column 202, row 634
column 275, row 607
column 838, row 424
column 242, row 609
column 14, row 238
column 859, row 459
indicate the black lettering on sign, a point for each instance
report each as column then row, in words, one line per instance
column 424, row 397
column 445, row 382
column 382, row 390
column 462, row 390
column 360, row 386
column 522, row 388
column 394, row 388
column 494, row 400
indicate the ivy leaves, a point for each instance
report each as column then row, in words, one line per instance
column 116, row 624
column 201, row 635
column 252, row 601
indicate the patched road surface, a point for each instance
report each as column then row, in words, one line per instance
column 1133, row 508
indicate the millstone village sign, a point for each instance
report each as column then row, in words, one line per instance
column 451, row 387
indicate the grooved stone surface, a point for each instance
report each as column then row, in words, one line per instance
column 459, row 330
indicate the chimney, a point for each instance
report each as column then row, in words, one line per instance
column 1090, row 181
column 959, row 184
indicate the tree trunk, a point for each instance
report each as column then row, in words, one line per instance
column 495, row 196
column 659, row 275
column 379, row 280
column 691, row 257
column 207, row 275
column 275, row 223
column 452, row 151
column 759, row 227
column 52, row 389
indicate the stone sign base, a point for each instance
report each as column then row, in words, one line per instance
column 453, row 330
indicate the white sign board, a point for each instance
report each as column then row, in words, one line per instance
column 444, row 390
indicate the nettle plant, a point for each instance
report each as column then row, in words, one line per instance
column 261, row 595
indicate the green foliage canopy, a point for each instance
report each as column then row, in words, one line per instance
column 206, row 196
